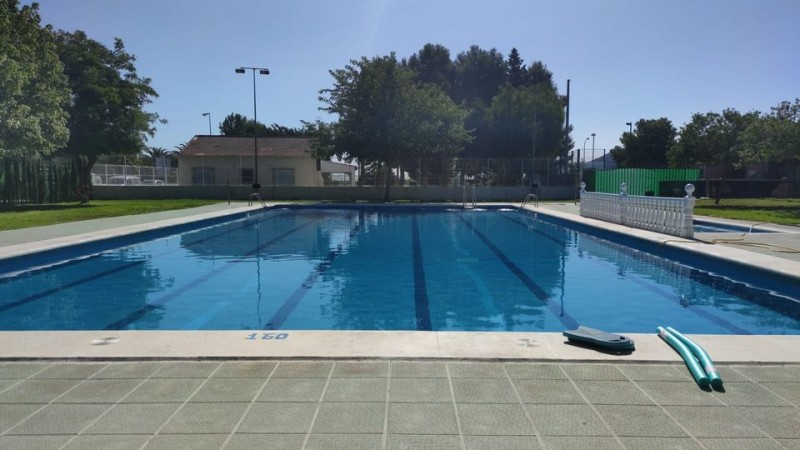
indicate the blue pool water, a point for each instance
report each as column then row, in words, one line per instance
column 705, row 226
column 373, row 268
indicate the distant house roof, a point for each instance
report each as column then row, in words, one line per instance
column 285, row 147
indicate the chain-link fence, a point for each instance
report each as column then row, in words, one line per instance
column 477, row 171
column 117, row 174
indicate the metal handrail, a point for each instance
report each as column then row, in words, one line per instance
column 253, row 197
column 533, row 197
column 464, row 197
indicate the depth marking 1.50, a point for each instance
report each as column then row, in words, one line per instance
column 267, row 336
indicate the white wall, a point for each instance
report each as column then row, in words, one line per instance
column 228, row 168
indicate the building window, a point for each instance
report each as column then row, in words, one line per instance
column 203, row 176
column 283, row 176
column 247, row 176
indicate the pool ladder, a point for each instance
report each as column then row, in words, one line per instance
column 253, row 197
column 464, row 197
column 533, row 197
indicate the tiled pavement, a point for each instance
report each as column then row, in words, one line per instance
column 392, row 404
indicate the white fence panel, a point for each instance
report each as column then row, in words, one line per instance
column 665, row 215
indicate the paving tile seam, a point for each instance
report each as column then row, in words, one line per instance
column 459, row 426
column 524, row 409
column 250, row 403
column 183, row 405
column 319, row 405
column 51, row 402
column 608, row 426
column 88, row 426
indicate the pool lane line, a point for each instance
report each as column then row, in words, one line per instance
column 96, row 276
column 697, row 309
column 723, row 323
column 421, row 304
column 565, row 318
column 158, row 303
column 73, row 284
column 741, row 290
column 539, row 232
column 280, row 316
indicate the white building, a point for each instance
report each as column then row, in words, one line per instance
column 282, row 161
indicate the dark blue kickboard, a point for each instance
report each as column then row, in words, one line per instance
column 599, row 338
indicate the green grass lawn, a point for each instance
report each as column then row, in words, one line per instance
column 25, row 216
column 784, row 211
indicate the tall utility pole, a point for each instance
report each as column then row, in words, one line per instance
column 566, row 127
column 262, row 71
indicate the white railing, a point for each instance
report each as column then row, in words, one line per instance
column 665, row 215
column 113, row 174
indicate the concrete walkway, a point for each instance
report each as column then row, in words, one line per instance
column 396, row 404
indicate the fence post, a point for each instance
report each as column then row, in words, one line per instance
column 687, row 230
column 623, row 207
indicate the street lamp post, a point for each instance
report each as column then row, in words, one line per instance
column 630, row 128
column 579, row 156
column 592, row 147
column 262, row 71
column 209, row 122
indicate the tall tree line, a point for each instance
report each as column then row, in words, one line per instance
column 477, row 104
column 65, row 94
column 729, row 137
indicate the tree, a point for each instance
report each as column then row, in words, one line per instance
column 33, row 88
column 433, row 65
column 539, row 74
column 710, row 138
column 523, row 119
column 479, row 74
column 647, row 146
column 239, row 125
column 108, row 98
column 516, row 73
column 384, row 116
column 774, row 137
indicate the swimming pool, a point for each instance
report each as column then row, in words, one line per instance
column 707, row 226
column 387, row 268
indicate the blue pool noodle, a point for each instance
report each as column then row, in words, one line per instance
column 688, row 357
column 713, row 374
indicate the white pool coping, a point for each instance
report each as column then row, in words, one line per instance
column 528, row 346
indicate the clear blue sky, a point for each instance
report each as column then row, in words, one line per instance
column 627, row 59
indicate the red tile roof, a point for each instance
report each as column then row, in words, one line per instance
column 291, row 147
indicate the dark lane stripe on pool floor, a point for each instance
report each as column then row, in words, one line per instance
column 531, row 228
column 421, row 306
column 565, row 318
column 73, row 284
column 158, row 303
column 280, row 316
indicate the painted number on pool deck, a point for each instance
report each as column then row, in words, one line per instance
column 267, row 336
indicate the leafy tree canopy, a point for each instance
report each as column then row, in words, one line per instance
column 433, row 65
column 774, row 136
column 385, row 116
column 107, row 112
column 33, row 89
column 525, row 119
column 710, row 138
column 479, row 75
column 647, row 145
column 239, row 125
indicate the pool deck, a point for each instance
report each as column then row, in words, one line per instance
column 363, row 389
